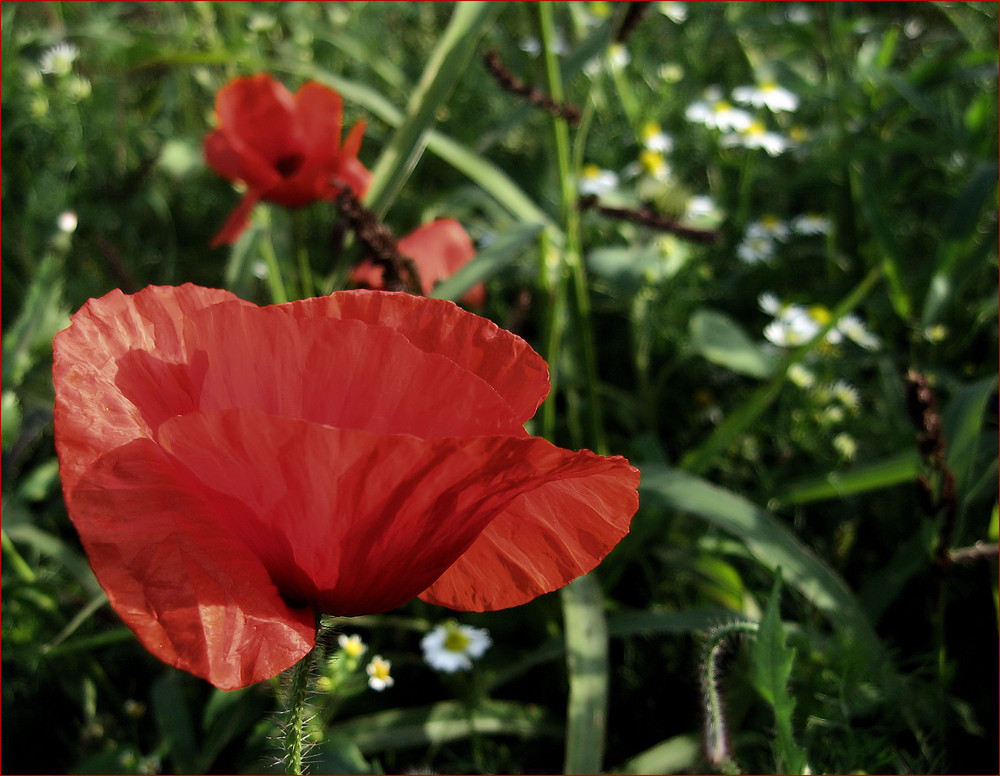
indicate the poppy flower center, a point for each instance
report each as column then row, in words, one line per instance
column 288, row 165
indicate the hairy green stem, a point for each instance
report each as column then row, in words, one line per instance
column 717, row 749
column 296, row 708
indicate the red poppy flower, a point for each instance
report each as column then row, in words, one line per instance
column 439, row 249
column 285, row 148
column 234, row 469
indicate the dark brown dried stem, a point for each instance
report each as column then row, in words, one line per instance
column 379, row 245
column 536, row 97
column 646, row 217
column 634, row 14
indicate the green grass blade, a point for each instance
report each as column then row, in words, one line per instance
column 679, row 754
column 488, row 261
column 770, row 543
column 898, row 469
column 444, row 67
column 441, row 723
column 587, row 664
column 962, row 421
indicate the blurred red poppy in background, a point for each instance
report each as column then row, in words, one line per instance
column 233, row 470
column 439, row 249
column 284, row 147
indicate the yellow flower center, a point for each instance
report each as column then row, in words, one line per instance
column 380, row 669
column 649, row 130
column 353, row 647
column 820, row 314
column 755, row 128
column 721, row 106
column 455, row 640
column 591, row 171
column 651, row 161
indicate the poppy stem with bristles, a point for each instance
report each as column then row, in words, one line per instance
column 296, row 705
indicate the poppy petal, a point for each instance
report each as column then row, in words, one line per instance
column 92, row 416
column 257, row 114
column 192, row 592
column 546, row 538
column 343, row 373
column 238, row 220
column 478, row 345
column 318, row 112
column 234, row 166
column 440, row 249
column 353, row 522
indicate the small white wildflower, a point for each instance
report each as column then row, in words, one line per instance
column 699, row 207
column 653, row 164
column 67, row 221
column 845, row 393
column 798, row 13
column 755, row 135
column 655, row 139
column 852, row 327
column 801, row 376
column 716, row 113
column 845, row 445
column 675, row 11
column 768, row 95
column 352, row 645
column 754, row 249
column 594, row 180
column 78, row 88
column 811, row 223
column 618, row 56
column 769, row 226
column 59, row 59
column 378, row 673
column 259, row 269
column 794, row 327
column 451, row 647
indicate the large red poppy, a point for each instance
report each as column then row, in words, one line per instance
column 284, row 147
column 234, row 469
column 439, row 249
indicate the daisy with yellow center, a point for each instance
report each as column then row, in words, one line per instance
column 378, row 674
column 451, row 647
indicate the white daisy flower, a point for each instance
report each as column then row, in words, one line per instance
column 378, row 673
column 59, row 59
column 676, row 12
column 655, row 139
column 811, row 223
column 756, row 135
column 767, row 95
column 717, row 113
column 699, row 207
column 451, row 647
column 771, row 227
column 594, row 180
column 755, row 248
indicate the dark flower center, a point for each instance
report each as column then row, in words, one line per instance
column 287, row 165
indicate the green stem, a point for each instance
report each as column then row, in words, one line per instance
column 306, row 282
column 274, row 281
column 717, row 748
column 294, row 738
column 570, row 217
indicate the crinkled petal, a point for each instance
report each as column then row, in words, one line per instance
column 547, row 537
column 499, row 357
column 92, row 416
column 353, row 522
column 196, row 596
column 344, row 373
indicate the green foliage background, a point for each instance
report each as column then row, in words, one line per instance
column 875, row 657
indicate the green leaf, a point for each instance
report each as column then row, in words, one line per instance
column 173, row 718
column 771, row 543
column 718, row 338
column 771, row 661
column 900, row 468
column 961, row 423
column 441, row 723
column 587, row 664
column 40, row 318
column 445, row 66
column 489, row 261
